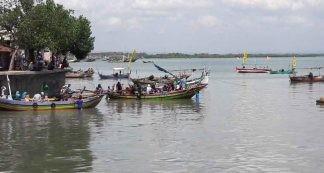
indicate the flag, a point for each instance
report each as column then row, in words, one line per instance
column 164, row 70
column 294, row 63
column 244, row 57
column 133, row 56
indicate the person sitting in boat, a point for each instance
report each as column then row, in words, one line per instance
column 27, row 98
column 153, row 88
column 66, row 92
column 46, row 99
column 17, row 95
column 119, row 87
column 3, row 89
column 99, row 89
column 38, row 97
column 310, row 75
column 23, row 95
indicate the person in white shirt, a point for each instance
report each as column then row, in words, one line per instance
column 148, row 88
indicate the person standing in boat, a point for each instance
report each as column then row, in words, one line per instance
column 310, row 75
column 119, row 87
column 45, row 88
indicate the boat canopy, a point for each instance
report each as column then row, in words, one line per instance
column 118, row 68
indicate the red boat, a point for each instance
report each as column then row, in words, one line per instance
column 252, row 70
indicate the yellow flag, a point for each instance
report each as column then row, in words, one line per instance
column 244, row 57
column 133, row 56
column 294, row 62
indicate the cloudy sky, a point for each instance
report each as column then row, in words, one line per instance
column 204, row 26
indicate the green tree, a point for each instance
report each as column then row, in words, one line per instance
column 83, row 42
column 35, row 25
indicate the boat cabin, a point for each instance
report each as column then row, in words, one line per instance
column 117, row 71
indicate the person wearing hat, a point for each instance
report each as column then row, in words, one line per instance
column 38, row 97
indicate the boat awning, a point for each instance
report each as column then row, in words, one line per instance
column 118, row 68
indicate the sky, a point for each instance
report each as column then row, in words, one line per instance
column 204, row 26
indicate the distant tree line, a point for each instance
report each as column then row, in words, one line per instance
column 36, row 25
column 205, row 55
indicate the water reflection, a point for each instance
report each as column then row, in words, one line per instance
column 138, row 106
column 40, row 141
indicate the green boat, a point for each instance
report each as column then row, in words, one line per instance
column 282, row 71
column 17, row 105
column 176, row 94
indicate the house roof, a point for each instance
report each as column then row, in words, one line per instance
column 5, row 49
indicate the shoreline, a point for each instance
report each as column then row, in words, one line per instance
column 205, row 55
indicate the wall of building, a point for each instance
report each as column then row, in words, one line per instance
column 32, row 81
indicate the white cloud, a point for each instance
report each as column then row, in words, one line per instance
column 209, row 21
column 178, row 20
column 113, row 22
column 276, row 4
column 169, row 4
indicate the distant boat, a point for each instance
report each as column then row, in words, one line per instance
column 320, row 101
column 89, row 60
column 147, row 61
column 252, row 70
column 118, row 73
column 80, row 74
column 289, row 71
column 306, row 78
column 244, row 69
column 310, row 78
column 282, row 71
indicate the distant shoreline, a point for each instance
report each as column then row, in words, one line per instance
column 205, row 55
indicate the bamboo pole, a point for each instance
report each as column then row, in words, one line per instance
column 12, row 61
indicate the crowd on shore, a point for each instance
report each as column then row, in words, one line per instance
column 39, row 63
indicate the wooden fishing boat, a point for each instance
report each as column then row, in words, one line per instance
column 176, row 94
column 118, row 73
column 147, row 61
column 306, row 78
column 252, row 70
column 290, row 71
column 282, row 71
column 16, row 105
column 80, row 73
column 255, row 69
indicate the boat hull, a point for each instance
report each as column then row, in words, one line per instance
column 252, row 70
column 15, row 105
column 281, row 72
column 119, row 76
column 295, row 79
column 178, row 94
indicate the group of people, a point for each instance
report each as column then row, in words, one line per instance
column 149, row 88
column 23, row 96
column 55, row 62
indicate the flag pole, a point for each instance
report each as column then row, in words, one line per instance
column 8, row 80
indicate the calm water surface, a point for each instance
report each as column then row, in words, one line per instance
column 242, row 123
